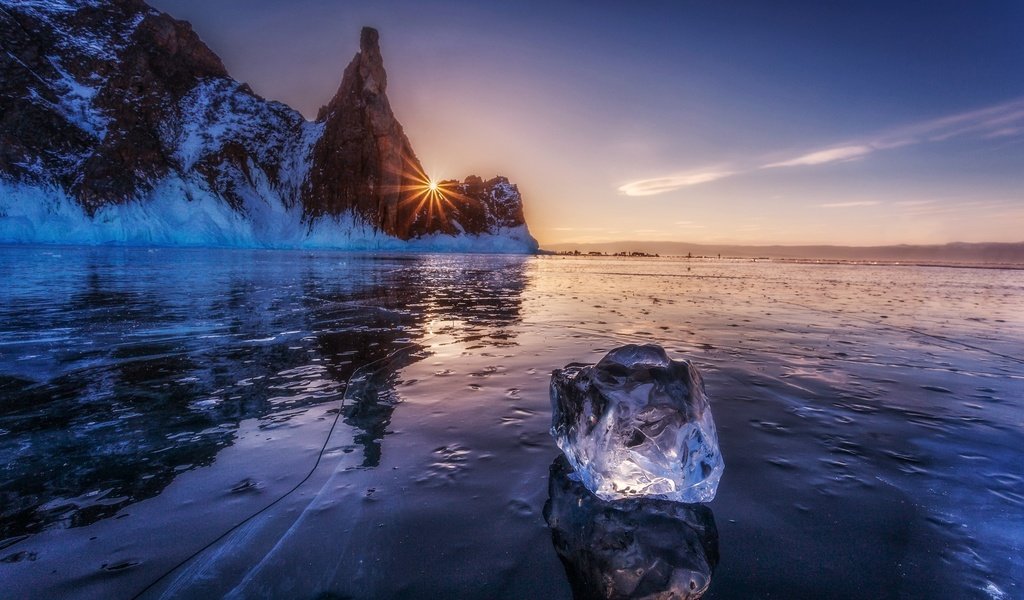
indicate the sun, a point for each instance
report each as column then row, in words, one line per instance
column 427, row 199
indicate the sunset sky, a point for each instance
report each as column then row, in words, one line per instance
column 858, row 123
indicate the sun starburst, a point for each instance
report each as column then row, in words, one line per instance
column 424, row 200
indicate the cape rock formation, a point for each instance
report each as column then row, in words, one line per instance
column 119, row 125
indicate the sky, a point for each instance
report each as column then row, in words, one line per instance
column 852, row 123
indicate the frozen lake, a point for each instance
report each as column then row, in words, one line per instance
column 202, row 423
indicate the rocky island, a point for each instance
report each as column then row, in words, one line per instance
column 119, row 125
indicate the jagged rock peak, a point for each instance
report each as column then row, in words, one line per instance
column 363, row 162
column 369, row 40
column 371, row 64
column 367, row 66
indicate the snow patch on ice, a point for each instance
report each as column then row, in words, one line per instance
column 75, row 103
column 49, row 7
column 103, row 44
column 297, row 161
column 34, row 166
column 505, row 193
column 218, row 112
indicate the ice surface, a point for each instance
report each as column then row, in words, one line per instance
column 637, row 424
column 161, row 373
column 637, row 548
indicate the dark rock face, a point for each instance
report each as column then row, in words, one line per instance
column 363, row 161
column 159, row 65
column 87, row 109
column 472, row 205
column 109, row 99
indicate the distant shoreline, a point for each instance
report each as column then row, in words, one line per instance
column 998, row 254
column 903, row 263
column 1013, row 266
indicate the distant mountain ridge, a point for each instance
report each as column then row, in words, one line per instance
column 958, row 252
column 119, row 125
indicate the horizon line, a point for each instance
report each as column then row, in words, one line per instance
column 783, row 245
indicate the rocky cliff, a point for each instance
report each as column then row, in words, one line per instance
column 118, row 124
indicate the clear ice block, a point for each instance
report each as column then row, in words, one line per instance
column 637, row 424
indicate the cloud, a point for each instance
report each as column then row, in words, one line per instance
column 849, row 204
column 1004, row 132
column 991, row 122
column 660, row 185
column 1000, row 120
column 820, row 157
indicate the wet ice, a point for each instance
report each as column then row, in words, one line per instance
column 637, row 424
column 835, row 445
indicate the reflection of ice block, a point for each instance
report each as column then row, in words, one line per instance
column 637, row 548
column 637, row 424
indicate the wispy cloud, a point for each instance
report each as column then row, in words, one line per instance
column 852, row 204
column 660, row 185
column 820, row 157
column 1004, row 132
column 981, row 122
column 914, row 203
column 997, row 121
column 1001, row 120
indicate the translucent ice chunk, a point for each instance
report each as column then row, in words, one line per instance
column 637, row 424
